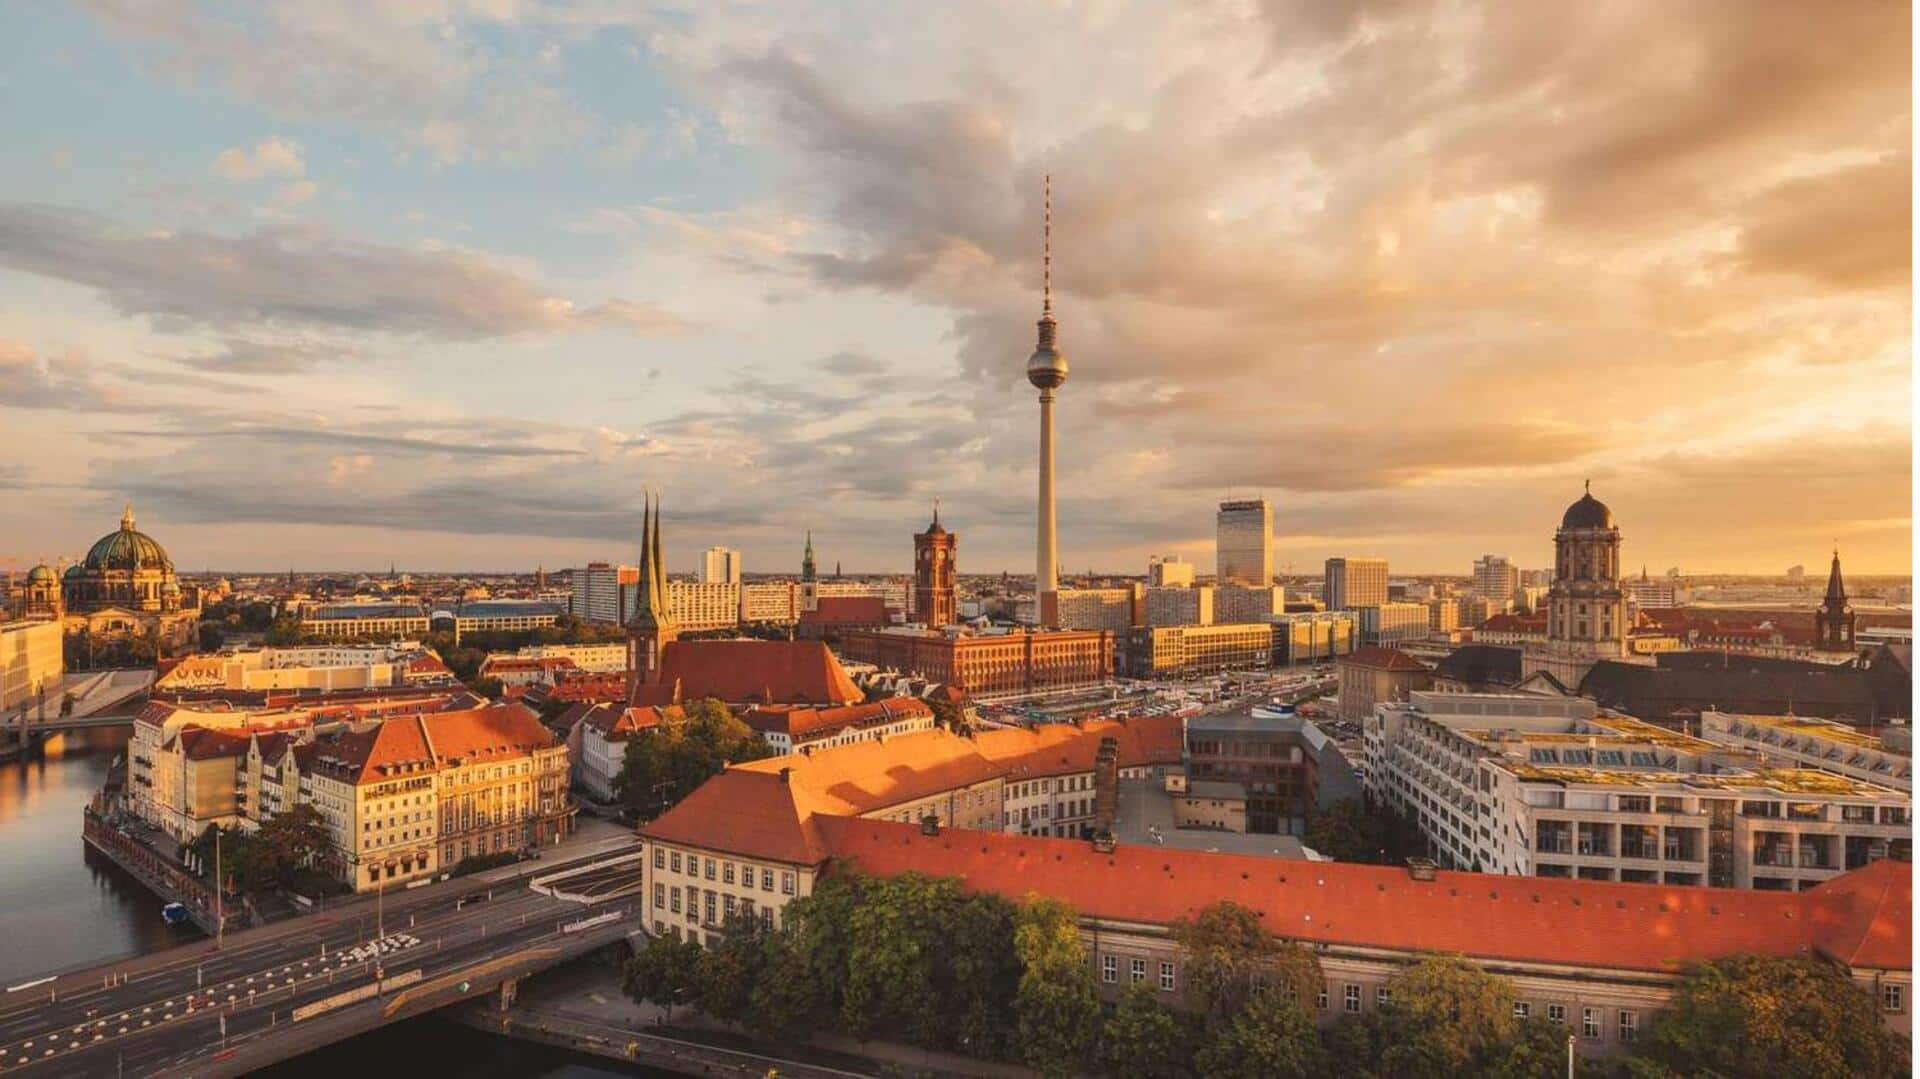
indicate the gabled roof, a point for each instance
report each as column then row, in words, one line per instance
column 756, row 672
column 801, row 724
column 1865, row 918
column 204, row 743
column 1481, row 664
column 616, row 724
column 1526, row 919
column 757, row 814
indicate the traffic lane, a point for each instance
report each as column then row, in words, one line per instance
column 187, row 1037
column 157, row 996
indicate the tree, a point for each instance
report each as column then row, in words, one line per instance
column 285, row 630
column 785, row 1001
column 291, row 839
column 981, row 974
column 664, row 764
column 211, row 638
column 664, row 972
column 893, row 949
column 1144, row 1039
column 1272, row 1037
column 1229, row 953
column 1444, row 1016
column 1058, row 1010
column 1749, row 1015
column 1345, row 832
column 1536, row 1050
column 723, row 980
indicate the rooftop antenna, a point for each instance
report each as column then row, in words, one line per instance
column 1046, row 249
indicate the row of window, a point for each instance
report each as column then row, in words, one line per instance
column 722, row 871
column 1136, row 971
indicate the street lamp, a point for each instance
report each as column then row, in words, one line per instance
column 1569, row 1056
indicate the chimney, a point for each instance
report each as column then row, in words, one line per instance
column 930, row 824
column 1103, row 842
column 785, row 773
column 1421, row 868
column 1106, row 785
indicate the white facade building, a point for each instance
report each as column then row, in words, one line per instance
column 1356, row 582
column 1169, row 571
column 1553, row 787
column 720, row 565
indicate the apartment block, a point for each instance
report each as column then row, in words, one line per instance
column 1557, row 787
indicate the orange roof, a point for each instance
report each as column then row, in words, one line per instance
column 1384, row 659
column 802, row 723
column 866, row 777
column 1064, row 748
column 1526, row 919
column 616, row 724
column 764, row 817
column 862, row 777
column 749, row 671
column 493, row 733
column 207, row 743
column 1865, row 918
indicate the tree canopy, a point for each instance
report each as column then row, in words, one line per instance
column 665, row 764
column 1762, row 1016
column 1059, row 1012
column 1345, row 832
column 1229, row 954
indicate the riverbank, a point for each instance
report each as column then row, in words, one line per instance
column 581, row 1008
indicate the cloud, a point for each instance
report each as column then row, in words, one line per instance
column 68, row 381
column 273, row 156
column 851, row 364
column 298, row 278
column 247, row 356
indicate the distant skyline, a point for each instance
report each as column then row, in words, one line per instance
column 450, row 285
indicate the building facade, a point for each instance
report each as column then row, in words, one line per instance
column 1169, row 571
column 1248, row 603
column 1243, row 543
column 1496, row 578
column 991, row 666
column 32, row 663
column 1185, row 606
column 1115, row 610
column 1385, row 625
column 1355, row 582
column 366, row 621
column 1371, row 677
column 1189, row 651
column 1587, row 617
column 720, row 565
column 1311, row 636
column 1555, row 787
column 934, row 555
column 601, row 591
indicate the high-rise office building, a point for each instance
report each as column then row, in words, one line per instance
column 1496, row 578
column 1191, row 606
column 720, row 565
column 1169, row 571
column 1356, row 582
column 602, row 592
column 1243, row 548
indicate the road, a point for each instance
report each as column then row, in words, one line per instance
column 194, row 1005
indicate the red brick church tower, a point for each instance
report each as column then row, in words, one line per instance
column 933, row 573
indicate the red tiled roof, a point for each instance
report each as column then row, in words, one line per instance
column 589, row 686
column 497, row 732
column 1064, row 748
column 207, row 743
column 1384, row 659
column 1526, row 919
column 616, row 723
column 748, row 671
column 802, row 723
column 764, row 817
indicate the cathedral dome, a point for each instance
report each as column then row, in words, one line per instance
column 40, row 573
column 1589, row 512
column 127, row 549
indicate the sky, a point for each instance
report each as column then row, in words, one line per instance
column 450, row 285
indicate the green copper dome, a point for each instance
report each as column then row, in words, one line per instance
column 41, row 572
column 127, row 549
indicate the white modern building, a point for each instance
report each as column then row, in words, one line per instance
column 1554, row 787
column 1385, row 625
column 601, row 591
column 1802, row 742
column 720, row 565
column 1496, row 579
column 32, row 659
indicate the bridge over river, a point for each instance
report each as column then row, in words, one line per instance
column 261, row 996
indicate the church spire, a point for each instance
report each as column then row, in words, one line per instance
column 1836, row 588
column 807, row 571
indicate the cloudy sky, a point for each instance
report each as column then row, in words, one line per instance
column 449, row 284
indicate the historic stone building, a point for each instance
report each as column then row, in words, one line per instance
column 1586, row 606
column 125, row 587
column 933, row 574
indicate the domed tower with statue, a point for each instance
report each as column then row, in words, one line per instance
column 126, row 587
column 1587, row 617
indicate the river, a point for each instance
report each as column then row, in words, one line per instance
column 61, row 906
